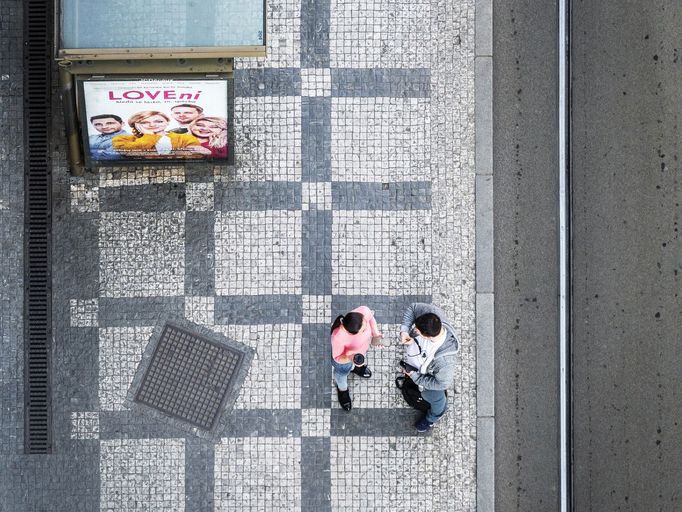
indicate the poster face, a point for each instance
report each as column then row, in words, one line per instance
column 152, row 120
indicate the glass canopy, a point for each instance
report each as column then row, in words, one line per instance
column 88, row 24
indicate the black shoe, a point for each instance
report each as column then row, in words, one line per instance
column 423, row 425
column 362, row 371
column 344, row 399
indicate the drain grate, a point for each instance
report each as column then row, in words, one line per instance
column 37, row 225
column 189, row 377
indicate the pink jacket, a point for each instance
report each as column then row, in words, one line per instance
column 345, row 344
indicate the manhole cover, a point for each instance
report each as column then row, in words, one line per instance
column 189, row 376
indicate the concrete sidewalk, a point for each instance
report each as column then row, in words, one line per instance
column 353, row 183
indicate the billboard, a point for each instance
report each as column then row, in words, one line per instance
column 153, row 120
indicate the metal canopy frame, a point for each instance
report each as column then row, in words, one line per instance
column 200, row 52
column 197, row 52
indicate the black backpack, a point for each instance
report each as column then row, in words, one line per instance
column 411, row 393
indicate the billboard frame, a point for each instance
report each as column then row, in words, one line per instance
column 82, row 118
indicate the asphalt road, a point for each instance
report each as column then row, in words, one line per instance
column 626, row 263
column 526, row 259
column 627, row 323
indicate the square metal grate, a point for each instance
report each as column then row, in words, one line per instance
column 189, row 376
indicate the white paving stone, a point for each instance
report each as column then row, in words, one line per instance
column 200, row 310
column 142, row 254
column 316, row 196
column 451, row 62
column 274, row 378
column 398, row 474
column 258, row 474
column 315, row 422
column 267, row 138
column 142, row 475
column 381, row 252
column 84, row 198
column 84, row 312
column 84, row 425
column 120, row 352
column 317, row 309
column 381, row 139
column 316, row 82
column 379, row 33
column 258, row 252
column 199, row 196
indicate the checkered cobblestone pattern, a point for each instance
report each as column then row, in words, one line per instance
column 352, row 183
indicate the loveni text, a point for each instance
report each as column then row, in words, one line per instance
column 153, row 95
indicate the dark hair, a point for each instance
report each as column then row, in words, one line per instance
column 104, row 116
column 352, row 322
column 189, row 105
column 428, row 324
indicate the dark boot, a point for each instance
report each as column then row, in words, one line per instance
column 344, row 399
column 362, row 371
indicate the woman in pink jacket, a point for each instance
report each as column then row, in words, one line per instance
column 351, row 335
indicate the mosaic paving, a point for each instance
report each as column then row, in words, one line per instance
column 353, row 183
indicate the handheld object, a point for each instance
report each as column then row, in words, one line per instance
column 408, row 367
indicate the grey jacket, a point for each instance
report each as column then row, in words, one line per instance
column 441, row 371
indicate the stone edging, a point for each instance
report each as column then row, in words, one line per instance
column 485, row 277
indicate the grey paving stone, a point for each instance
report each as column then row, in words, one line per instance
column 386, row 309
column 267, row 82
column 199, row 253
column 271, row 423
column 396, row 83
column 257, row 195
column 199, row 483
column 317, row 252
column 316, row 139
column 76, row 365
column 161, row 197
column 135, row 424
column 316, row 367
column 316, row 474
column 75, row 247
column 409, row 195
column 315, row 33
column 139, row 311
column 238, row 423
column 258, row 309
column 67, row 480
column 202, row 172
column 374, row 422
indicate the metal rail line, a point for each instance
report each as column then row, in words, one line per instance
column 564, row 258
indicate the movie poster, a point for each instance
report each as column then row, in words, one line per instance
column 129, row 120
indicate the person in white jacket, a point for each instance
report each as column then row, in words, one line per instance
column 431, row 347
